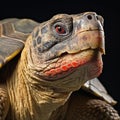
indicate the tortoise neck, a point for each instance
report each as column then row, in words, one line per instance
column 33, row 101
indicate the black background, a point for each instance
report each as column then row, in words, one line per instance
column 44, row 10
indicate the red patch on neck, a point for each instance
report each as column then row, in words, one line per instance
column 65, row 67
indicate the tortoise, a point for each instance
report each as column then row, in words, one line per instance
column 49, row 70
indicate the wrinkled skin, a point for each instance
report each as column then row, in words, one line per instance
column 59, row 56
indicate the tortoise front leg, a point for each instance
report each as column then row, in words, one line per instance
column 87, row 107
column 4, row 102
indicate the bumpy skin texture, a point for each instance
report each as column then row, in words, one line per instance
column 59, row 56
column 4, row 102
column 86, row 107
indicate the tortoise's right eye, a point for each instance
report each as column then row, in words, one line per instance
column 60, row 29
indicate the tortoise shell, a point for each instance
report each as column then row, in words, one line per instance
column 13, row 35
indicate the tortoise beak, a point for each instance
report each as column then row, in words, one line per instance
column 88, row 32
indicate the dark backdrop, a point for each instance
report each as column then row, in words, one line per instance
column 44, row 10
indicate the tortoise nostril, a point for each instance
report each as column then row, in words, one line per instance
column 89, row 17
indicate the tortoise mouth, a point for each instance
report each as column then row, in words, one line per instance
column 82, row 51
column 69, row 63
column 81, row 41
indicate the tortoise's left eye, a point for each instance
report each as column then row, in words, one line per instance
column 60, row 29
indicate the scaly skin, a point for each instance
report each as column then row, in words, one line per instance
column 4, row 102
column 59, row 56
column 84, row 106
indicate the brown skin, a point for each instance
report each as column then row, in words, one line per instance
column 59, row 56
column 84, row 106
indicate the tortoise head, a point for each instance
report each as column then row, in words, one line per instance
column 68, row 45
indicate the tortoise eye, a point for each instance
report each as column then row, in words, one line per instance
column 60, row 29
